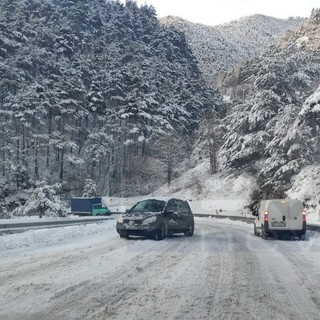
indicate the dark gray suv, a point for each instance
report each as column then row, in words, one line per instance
column 157, row 218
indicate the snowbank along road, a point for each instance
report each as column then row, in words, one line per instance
column 222, row 272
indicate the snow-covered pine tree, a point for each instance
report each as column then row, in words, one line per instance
column 43, row 201
column 90, row 189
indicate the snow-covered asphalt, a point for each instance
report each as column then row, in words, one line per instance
column 222, row 272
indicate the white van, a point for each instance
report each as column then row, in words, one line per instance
column 280, row 217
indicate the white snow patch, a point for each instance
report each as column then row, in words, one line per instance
column 302, row 41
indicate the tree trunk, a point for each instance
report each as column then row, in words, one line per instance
column 61, row 164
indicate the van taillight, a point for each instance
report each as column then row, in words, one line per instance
column 266, row 216
column 304, row 216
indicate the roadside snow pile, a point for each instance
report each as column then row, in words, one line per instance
column 313, row 240
column 46, row 237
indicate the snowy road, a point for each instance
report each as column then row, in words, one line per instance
column 222, row 272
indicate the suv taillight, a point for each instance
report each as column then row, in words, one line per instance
column 266, row 216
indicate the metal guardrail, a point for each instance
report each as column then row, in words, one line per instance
column 18, row 227
column 7, row 228
column 311, row 227
column 218, row 216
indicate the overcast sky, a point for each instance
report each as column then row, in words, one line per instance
column 213, row 12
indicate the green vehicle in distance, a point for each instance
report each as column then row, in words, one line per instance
column 100, row 209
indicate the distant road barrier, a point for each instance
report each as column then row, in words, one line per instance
column 311, row 227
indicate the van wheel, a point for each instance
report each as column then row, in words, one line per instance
column 264, row 234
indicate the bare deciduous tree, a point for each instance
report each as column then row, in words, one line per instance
column 213, row 136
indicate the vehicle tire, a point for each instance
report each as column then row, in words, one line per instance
column 189, row 231
column 160, row 233
column 255, row 230
column 302, row 237
column 125, row 236
column 264, row 234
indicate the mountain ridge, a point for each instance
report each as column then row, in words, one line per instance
column 221, row 48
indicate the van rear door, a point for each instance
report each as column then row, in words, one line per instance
column 295, row 215
column 278, row 211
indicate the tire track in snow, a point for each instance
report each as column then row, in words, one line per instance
column 291, row 295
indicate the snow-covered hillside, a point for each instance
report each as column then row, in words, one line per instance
column 206, row 193
column 223, row 47
column 273, row 123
